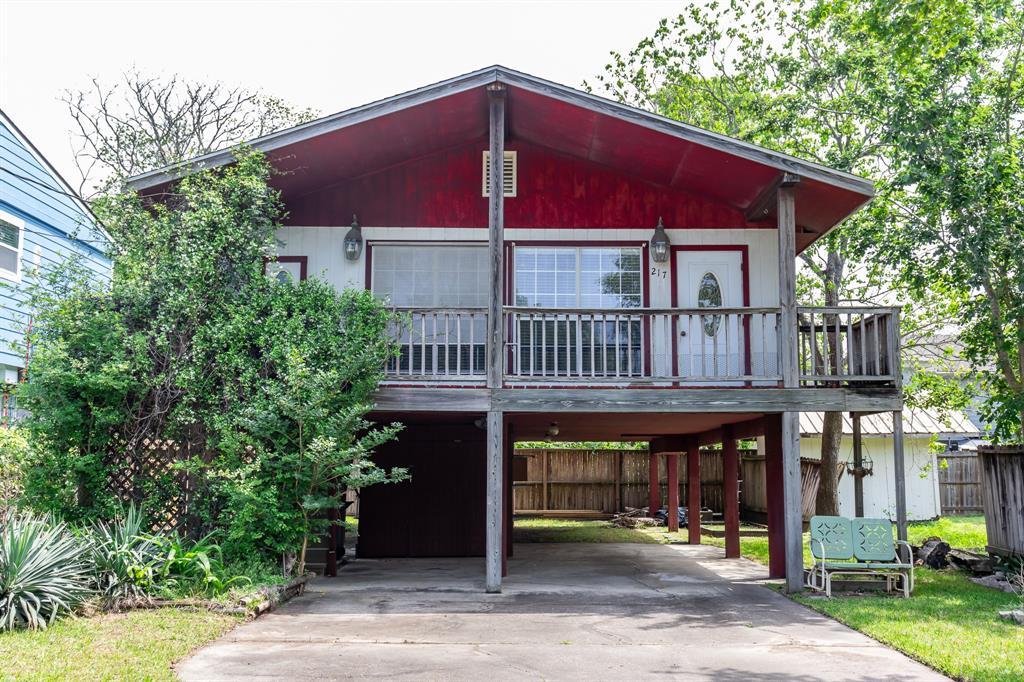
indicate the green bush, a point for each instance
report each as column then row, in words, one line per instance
column 197, row 567
column 43, row 571
column 262, row 385
column 13, row 453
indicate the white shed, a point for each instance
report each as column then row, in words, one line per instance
column 920, row 428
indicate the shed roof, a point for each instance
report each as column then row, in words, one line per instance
column 916, row 422
column 654, row 148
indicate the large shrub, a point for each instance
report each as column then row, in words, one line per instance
column 263, row 386
column 13, row 454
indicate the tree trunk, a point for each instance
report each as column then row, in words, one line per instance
column 827, row 502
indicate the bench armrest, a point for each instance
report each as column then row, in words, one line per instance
column 910, row 551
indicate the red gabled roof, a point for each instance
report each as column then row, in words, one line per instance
column 651, row 148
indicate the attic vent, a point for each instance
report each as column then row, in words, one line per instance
column 508, row 182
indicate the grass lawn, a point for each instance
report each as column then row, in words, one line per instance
column 563, row 530
column 962, row 532
column 949, row 623
column 135, row 645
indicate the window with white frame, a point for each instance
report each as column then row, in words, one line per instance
column 11, row 234
column 579, row 344
column 447, row 288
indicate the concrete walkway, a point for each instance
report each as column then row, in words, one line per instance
column 568, row 612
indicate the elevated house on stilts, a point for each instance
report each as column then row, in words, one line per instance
column 619, row 274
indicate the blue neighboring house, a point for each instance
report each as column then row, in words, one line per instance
column 42, row 222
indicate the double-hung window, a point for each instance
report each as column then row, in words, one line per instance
column 11, row 234
column 442, row 291
column 584, row 326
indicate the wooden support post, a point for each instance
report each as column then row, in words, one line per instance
column 858, row 466
column 496, row 238
column 794, row 521
column 774, row 497
column 654, row 486
column 495, row 487
column 672, row 464
column 544, row 481
column 507, row 511
column 618, row 480
column 693, row 491
column 900, row 475
column 731, row 493
column 789, row 361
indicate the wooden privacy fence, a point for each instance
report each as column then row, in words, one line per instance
column 1002, row 489
column 605, row 480
column 960, row 483
column 754, row 490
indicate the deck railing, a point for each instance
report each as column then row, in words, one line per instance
column 684, row 347
column 636, row 345
column 848, row 345
column 439, row 344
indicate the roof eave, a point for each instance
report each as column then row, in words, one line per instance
column 783, row 162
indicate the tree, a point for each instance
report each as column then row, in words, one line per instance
column 263, row 386
column 144, row 122
column 952, row 72
column 779, row 76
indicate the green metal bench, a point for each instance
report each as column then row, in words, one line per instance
column 841, row 546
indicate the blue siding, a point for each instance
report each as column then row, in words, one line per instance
column 56, row 226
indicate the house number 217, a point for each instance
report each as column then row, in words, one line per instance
column 657, row 272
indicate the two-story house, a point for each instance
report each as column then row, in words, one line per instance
column 618, row 276
column 43, row 222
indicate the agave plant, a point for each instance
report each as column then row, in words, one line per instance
column 43, row 572
column 122, row 558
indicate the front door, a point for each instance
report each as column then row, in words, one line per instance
column 710, row 346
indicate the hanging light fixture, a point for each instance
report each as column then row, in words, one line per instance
column 660, row 244
column 354, row 240
column 553, row 430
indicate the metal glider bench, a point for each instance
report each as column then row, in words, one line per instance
column 841, row 546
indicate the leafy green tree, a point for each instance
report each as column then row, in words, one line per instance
column 952, row 75
column 779, row 76
column 262, row 385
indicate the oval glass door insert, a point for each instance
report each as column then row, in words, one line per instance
column 709, row 295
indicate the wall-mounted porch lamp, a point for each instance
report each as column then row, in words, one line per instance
column 660, row 244
column 354, row 240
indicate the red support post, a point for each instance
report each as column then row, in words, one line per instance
column 773, row 474
column 731, row 493
column 693, row 491
column 654, row 492
column 672, row 463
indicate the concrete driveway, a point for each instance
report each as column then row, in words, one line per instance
column 568, row 612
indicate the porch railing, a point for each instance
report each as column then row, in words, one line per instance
column 440, row 344
column 636, row 345
column 846, row 345
column 701, row 346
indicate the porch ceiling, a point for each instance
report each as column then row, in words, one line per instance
column 619, row 426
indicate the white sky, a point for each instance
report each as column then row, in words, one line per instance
column 321, row 54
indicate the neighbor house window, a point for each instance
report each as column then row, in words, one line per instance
column 577, row 343
column 11, row 233
column 442, row 291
